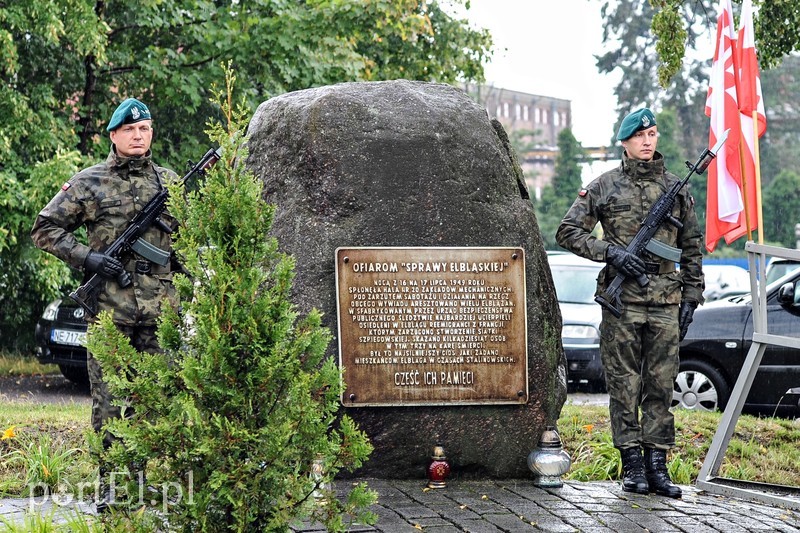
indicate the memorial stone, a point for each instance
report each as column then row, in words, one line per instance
column 417, row 168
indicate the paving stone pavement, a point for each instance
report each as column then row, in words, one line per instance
column 518, row 506
column 19, row 511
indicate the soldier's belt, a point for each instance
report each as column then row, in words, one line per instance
column 662, row 267
column 146, row 267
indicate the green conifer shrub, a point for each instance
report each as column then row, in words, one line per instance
column 238, row 421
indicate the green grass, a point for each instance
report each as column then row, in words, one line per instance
column 35, row 442
column 47, row 463
column 16, row 364
column 62, row 417
column 766, row 450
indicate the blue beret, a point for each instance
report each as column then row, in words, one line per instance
column 641, row 119
column 128, row 112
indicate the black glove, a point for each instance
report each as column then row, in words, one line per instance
column 624, row 261
column 102, row 264
column 685, row 317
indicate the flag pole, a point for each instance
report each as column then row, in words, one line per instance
column 735, row 44
column 757, row 161
column 744, row 194
column 734, row 58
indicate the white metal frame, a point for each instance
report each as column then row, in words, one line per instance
column 786, row 496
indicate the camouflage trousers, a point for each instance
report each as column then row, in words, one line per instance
column 143, row 338
column 639, row 352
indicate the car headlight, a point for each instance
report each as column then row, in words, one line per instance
column 51, row 311
column 574, row 331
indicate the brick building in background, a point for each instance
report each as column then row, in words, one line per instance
column 533, row 123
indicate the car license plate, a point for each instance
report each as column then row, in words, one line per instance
column 72, row 338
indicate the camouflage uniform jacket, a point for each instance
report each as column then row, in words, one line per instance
column 620, row 200
column 104, row 198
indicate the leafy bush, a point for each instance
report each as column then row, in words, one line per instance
column 29, row 278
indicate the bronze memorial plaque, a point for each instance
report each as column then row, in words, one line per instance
column 432, row 326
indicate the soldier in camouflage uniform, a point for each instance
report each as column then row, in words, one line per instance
column 104, row 198
column 639, row 350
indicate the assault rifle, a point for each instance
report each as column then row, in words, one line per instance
column 660, row 212
column 130, row 239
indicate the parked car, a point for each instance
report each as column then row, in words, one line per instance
column 725, row 280
column 61, row 339
column 779, row 267
column 717, row 343
column 575, row 279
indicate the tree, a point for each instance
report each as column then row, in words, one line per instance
column 634, row 53
column 525, row 140
column 777, row 29
column 66, row 64
column 558, row 196
column 783, row 197
column 85, row 55
column 38, row 146
column 779, row 147
column 639, row 49
column 241, row 411
column 668, row 134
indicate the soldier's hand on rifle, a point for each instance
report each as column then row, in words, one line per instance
column 685, row 317
column 103, row 265
column 624, row 261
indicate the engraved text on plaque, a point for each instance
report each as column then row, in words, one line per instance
column 432, row 326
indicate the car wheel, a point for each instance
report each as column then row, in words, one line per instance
column 76, row 374
column 700, row 386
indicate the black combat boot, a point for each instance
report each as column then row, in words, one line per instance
column 105, row 493
column 655, row 462
column 633, row 478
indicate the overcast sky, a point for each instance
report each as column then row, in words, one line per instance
column 547, row 47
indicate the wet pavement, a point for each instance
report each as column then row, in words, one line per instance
column 43, row 389
column 518, row 505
